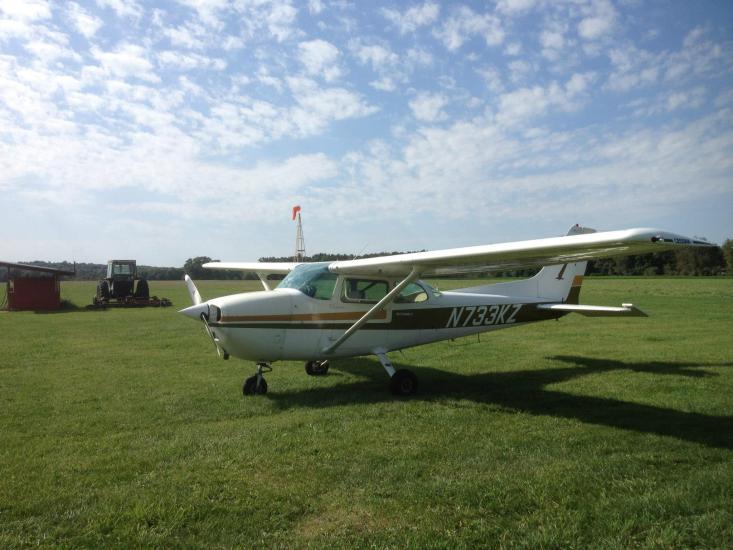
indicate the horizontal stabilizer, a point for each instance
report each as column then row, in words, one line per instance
column 627, row 310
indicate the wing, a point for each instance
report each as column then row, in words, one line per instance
column 266, row 268
column 520, row 254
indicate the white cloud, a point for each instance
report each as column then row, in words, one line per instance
column 687, row 99
column 86, row 24
column 127, row 60
column 414, row 18
column 552, row 40
column 318, row 106
column 383, row 61
column 315, row 6
column 515, row 7
column 599, row 173
column 428, row 107
column 123, row 8
column 599, row 21
column 26, row 10
column 492, row 77
column 189, row 61
column 280, row 20
column 384, row 83
column 208, row 11
column 268, row 80
column 48, row 51
column 320, row 58
column 12, row 28
column 464, row 23
column 188, row 36
column 666, row 102
column 635, row 68
column 376, row 55
column 521, row 106
column 520, row 70
column 513, row 48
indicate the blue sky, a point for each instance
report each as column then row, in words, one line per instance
column 165, row 130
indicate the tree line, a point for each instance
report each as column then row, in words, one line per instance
column 685, row 261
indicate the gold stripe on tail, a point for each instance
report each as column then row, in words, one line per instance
column 574, row 294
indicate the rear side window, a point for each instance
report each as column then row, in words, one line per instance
column 365, row 291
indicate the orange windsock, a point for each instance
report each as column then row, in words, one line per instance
column 296, row 209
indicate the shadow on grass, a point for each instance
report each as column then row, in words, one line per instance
column 526, row 392
column 66, row 307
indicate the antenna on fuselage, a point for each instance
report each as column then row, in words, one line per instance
column 299, row 241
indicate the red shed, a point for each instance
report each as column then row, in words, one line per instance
column 33, row 287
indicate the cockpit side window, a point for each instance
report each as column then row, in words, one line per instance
column 364, row 291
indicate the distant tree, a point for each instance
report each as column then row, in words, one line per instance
column 727, row 249
column 699, row 261
column 194, row 270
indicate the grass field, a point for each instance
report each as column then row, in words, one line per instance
column 121, row 428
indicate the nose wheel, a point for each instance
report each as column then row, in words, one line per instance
column 256, row 385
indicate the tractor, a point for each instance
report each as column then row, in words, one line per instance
column 122, row 287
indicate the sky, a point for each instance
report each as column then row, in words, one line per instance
column 161, row 131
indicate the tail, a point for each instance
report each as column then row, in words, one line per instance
column 561, row 283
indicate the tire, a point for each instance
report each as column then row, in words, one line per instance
column 316, row 368
column 142, row 290
column 103, row 290
column 250, row 386
column 403, row 383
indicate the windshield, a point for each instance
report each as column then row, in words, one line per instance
column 434, row 291
column 314, row 280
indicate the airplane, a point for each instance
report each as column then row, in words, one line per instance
column 372, row 306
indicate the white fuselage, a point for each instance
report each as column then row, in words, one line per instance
column 285, row 323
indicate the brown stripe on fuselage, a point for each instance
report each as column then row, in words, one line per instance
column 331, row 316
column 407, row 319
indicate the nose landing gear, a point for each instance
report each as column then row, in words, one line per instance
column 257, row 385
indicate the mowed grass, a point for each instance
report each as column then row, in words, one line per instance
column 121, row 428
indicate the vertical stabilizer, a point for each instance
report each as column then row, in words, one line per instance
column 562, row 282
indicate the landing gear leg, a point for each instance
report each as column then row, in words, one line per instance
column 257, row 385
column 402, row 382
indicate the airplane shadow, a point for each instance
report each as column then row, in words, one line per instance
column 527, row 392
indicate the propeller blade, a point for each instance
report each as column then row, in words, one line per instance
column 192, row 291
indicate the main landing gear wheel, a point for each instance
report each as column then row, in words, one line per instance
column 403, row 383
column 256, row 385
column 316, row 368
column 252, row 387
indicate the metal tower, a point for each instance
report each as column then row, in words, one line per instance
column 299, row 241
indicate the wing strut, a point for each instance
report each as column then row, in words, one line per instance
column 263, row 279
column 391, row 295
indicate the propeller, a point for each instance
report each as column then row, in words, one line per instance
column 201, row 310
column 193, row 292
